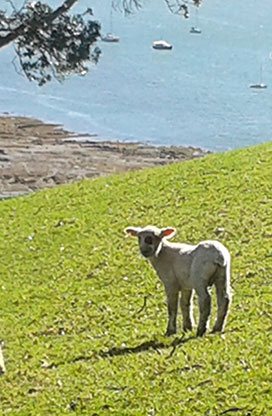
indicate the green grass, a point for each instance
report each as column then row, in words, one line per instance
column 82, row 315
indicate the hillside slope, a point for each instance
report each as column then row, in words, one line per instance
column 83, row 315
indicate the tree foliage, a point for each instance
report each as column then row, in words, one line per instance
column 175, row 6
column 54, row 43
column 50, row 43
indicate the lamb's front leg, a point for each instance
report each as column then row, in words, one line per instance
column 186, row 309
column 204, row 302
column 172, row 305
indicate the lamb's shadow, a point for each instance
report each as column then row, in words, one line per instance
column 146, row 346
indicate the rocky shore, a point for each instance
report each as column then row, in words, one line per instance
column 36, row 155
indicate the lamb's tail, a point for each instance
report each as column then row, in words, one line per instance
column 223, row 257
column 224, row 262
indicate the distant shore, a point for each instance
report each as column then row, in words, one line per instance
column 36, row 155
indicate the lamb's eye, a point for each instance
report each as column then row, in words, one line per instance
column 148, row 240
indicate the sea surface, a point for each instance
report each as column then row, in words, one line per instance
column 197, row 94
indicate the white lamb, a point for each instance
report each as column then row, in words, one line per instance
column 2, row 364
column 185, row 268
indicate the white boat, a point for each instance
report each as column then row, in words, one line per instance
column 195, row 30
column 260, row 85
column 161, row 45
column 110, row 38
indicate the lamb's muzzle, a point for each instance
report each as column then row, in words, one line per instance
column 186, row 268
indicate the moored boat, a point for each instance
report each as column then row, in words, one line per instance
column 259, row 86
column 110, row 38
column 195, row 30
column 161, row 45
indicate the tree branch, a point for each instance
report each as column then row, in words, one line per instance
column 14, row 34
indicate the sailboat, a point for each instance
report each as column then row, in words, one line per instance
column 110, row 37
column 260, row 85
column 195, row 29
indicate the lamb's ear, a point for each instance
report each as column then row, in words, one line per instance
column 168, row 232
column 133, row 231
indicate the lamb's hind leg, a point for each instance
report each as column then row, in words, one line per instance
column 223, row 302
column 186, row 309
column 204, row 302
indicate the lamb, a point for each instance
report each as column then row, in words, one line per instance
column 187, row 268
column 2, row 364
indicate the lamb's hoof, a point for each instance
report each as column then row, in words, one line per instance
column 216, row 330
column 187, row 328
column 170, row 332
column 200, row 332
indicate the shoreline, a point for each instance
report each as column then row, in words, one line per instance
column 35, row 155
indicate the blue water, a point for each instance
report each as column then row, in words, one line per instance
column 197, row 94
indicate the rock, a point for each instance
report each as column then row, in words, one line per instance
column 37, row 155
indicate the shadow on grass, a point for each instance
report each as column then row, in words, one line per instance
column 122, row 351
column 146, row 346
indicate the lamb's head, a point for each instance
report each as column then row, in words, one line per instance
column 150, row 238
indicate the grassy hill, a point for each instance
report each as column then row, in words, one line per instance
column 82, row 315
